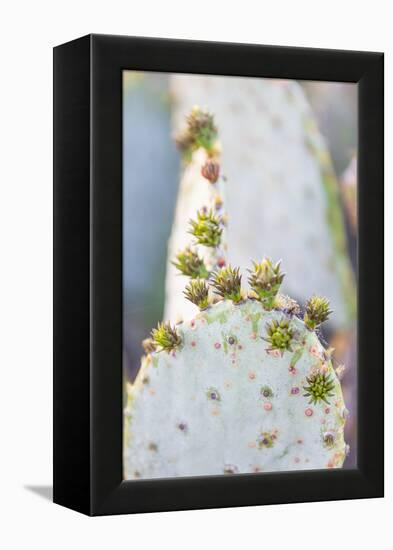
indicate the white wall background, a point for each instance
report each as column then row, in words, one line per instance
column 28, row 30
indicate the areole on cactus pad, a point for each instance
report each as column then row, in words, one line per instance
column 244, row 386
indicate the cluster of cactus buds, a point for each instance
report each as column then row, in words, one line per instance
column 190, row 264
column 320, row 386
column 200, row 131
column 197, row 291
column 208, row 226
column 166, row 337
column 227, row 283
column 280, row 335
column 317, row 311
column 206, row 229
column 265, row 280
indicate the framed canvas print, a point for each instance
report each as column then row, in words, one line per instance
column 218, row 275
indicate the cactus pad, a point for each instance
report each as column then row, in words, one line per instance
column 225, row 402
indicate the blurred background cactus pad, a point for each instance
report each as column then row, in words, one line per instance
column 247, row 274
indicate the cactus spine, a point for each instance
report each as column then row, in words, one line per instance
column 243, row 386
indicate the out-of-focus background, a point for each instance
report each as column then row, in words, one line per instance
column 289, row 153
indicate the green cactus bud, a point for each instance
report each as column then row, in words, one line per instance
column 166, row 337
column 201, row 131
column 206, row 229
column 202, row 128
column 317, row 311
column 197, row 292
column 190, row 264
column 280, row 335
column 320, row 387
column 265, row 280
column 227, row 283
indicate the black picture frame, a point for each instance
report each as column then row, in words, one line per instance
column 88, row 274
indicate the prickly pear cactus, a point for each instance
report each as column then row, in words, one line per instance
column 243, row 386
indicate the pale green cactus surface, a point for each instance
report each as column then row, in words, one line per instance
column 224, row 402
